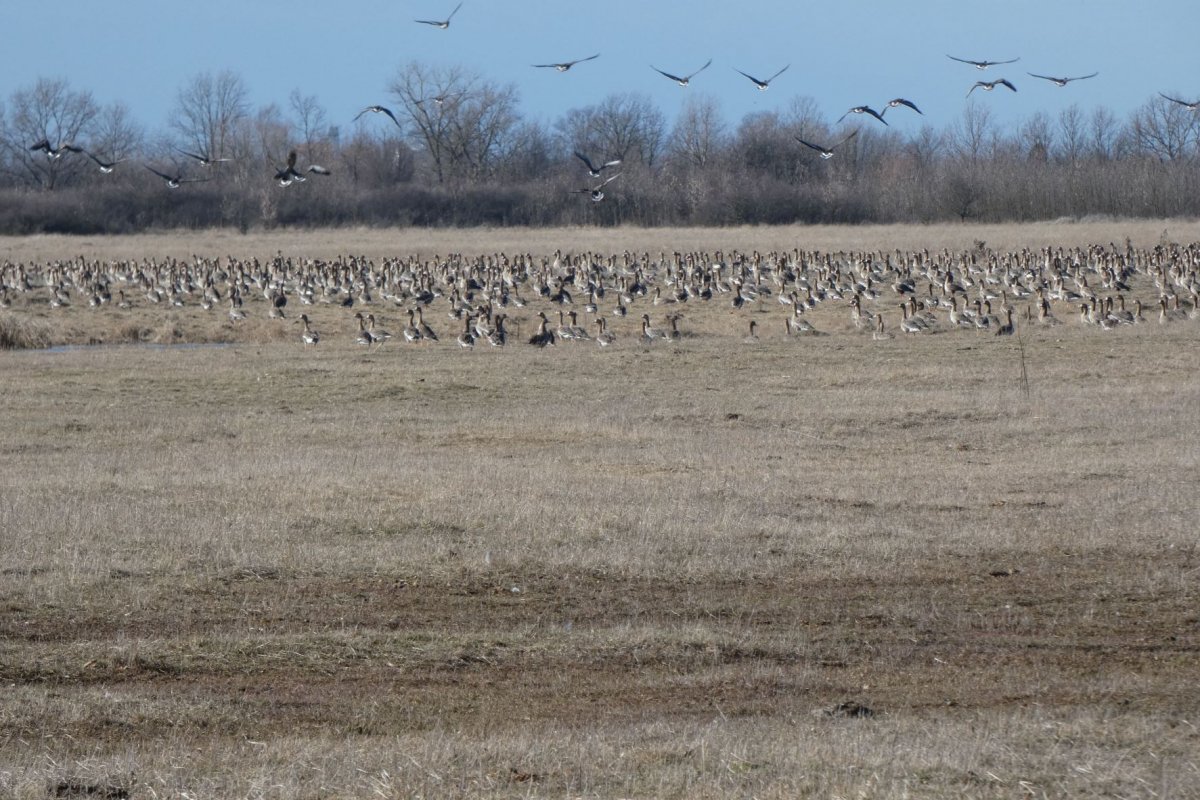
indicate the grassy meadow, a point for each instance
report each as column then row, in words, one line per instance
column 945, row 566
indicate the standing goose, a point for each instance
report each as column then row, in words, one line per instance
column 650, row 334
column 308, row 336
column 379, row 335
column 577, row 331
column 466, row 339
column 235, row 309
column 412, row 333
column 1008, row 328
column 426, row 331
column 543, row 336
column 603, row 337
column 498, row 337
column 364, row 336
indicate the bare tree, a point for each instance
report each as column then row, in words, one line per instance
column 465, row 122
column 50, row 112
column 1103, row 135
column 311, row 122
column 699, row 132
column 116, row 135
column 208, row 111
column 974, row 136
column 1072, row 134
column 765, row 146
column 1164, row 129
column 625, row 126
column 1036, row 138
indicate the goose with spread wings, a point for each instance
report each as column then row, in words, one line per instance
column 826, row 152
column 982, row 64
column 596, row 192
column 203, row 160
column 864, row 110
column 684, row 81
column 563, row 66
column 290, row 174
column 762, row 85
column 441, row 24
column 377, row 109
column 55, row 152
column 174, row 181
column 900, row 101
column 1189, row 106
column 105, row 166
column 988, row 86
column 1060, row 82
column 595, row 171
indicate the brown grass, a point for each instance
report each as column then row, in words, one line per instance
column 327, row 243
column 260, row 571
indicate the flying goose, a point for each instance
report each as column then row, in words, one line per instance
column 105, row 166
column 1061, row 81
column 988, row 86
column 983, row 64
column 563, row 66
column 863, row 110
column 762, row 85
column 826, row 152
column 441, row 24
column 55, row 152
column 289, row 173
column 205, row 161
column 685, row 80
column 593, row 170
column 597, row 192
column 900, row 101
column 1189, row 106
column 378, row 110
column 174, row 182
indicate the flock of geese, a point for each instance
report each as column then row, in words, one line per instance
column 289, row 174
column 564, row 298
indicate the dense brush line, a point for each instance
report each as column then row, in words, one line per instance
column 102, row 174
column 998, row 191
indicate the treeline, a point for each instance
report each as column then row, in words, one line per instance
column 458, row 152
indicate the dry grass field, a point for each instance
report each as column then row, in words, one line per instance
column 944, row 566
column 423, row 242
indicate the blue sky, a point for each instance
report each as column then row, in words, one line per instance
column 842, row 54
